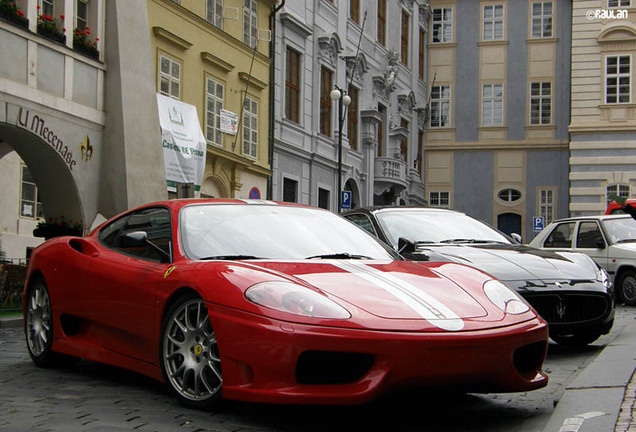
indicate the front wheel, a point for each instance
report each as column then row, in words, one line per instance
column 39, row 325
column 190, row 359
column 576, row 339
column 627, row 287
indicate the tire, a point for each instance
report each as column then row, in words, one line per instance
column 189, row 354
column 39, row 325
column 626, row 287
column 576, row 339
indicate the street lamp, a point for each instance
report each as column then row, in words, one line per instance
column 343, row 102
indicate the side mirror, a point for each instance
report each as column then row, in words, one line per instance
column 405, row 245
column 600, row 243
column 516, row 237
column 135, row 239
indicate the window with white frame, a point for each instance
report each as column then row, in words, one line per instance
column 213, row 107
column 81, row 14
column 250, row 127
column 618, row 79
column 542, row 19
column 540, row 103
column 440, row 105
column 250, row 22
column 30, row 203
column 214, row 13
column 169, row 77
column 439, row 199
column 492, row 105
column 493, row 22
column 618, row 3
column 47, row 7
column 442, row 25
column 546, row 205
column 617, row 190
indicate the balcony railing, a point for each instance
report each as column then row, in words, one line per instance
column 390, row 170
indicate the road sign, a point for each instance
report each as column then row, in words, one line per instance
column 345, row 200
column 538, row 223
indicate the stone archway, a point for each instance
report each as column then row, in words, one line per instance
column 352, row 186
column 212, row 187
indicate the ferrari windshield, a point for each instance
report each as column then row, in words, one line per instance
column 254, row 231
column 431, row 226
column 620, row 230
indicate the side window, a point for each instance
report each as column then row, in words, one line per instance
column 363, row 222
column 561, row 237
column 589, row 236
column 155, row 222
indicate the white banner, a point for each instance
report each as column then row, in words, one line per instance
column 229, row 122
column 183, row 142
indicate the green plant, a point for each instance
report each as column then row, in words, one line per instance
column 81, row 39
column 9, row 9
column 54, row 227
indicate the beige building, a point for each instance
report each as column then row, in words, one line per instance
column 215, row 55
column 603, row 124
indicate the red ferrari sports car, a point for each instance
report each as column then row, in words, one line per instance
column 273, row 302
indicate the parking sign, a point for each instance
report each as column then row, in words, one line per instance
column 345, row 200
column 537, row 224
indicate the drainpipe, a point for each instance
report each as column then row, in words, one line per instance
column 272, row 118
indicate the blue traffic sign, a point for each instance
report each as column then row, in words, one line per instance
column 345, row 200
column 538, row 223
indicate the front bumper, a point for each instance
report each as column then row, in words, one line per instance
column 266, row 360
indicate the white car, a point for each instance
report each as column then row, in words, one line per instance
column 609, row 239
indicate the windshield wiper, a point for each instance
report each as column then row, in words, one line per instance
column 626, row 241
column 231, row 257
column 341, row 255
column 472, row 241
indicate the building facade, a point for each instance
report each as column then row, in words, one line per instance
column 373, row 147
column 77, row 141
column 497, row 137
column 215, row 55
column 603, row 126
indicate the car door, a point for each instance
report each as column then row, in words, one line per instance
column 591, row 241
column 123, row 283
column 560, row 237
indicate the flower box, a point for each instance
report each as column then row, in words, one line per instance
column 9, row 12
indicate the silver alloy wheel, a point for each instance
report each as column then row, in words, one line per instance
column 628, row 288
column 190, row 353
column 38, row 320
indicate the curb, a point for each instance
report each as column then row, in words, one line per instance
column 11, row 322
column 592, row 402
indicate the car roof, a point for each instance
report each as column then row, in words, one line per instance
column 183, row 202
column 593, row 217
column 379, row 209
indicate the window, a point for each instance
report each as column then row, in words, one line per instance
column 561, row 236
column 404, row 144
column 213, row 107
column 250, row 127
column 542, row 19
column 323, row 198
column 169, row 77
column 292, row 86
column 81, row 16
column 442, row 25
column 352, row 118
column 439, row 199
column 546, row 205
column 540, row 103
column 326, row 83
column 381, row 128
column 382, row 22
column 618, row 79
column 354, row 10
column 290, row 190
column 589, row 236
column 404, row 52
column 47, row 7
column 509, row 195
column 155, row 222
column 618, row 3
column 214, row 12
column 616, row 190
column 363, row 222
column 492, row 105
column 440, row 106
column 421, row 54
column 493, row 22
column 30, row 204
column 250, row 22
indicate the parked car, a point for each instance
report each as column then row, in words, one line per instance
column 609, row 240
column 268, row 302
column 569, row 290
column 616, row 208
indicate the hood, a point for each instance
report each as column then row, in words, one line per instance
column 624, row 250
column 399, row 290
column 516, row 262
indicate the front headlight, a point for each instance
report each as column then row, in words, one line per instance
column 603, row 277
column 505, row 298
column 295, row 299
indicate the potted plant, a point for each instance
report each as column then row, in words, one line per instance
column 47, row 27
column 82, row 43
column 10, row 12
column 54, row 227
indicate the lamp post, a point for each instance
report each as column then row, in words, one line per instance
column 343, row 102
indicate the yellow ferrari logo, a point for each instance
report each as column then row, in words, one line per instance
column 170, row 270
column 198, row 350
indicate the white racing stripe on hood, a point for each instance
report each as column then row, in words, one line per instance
column 425, row 305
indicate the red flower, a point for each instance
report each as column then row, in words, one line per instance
column 38, row 7
column 64, row 29
column 62, row 16
column 20, row 13
column 96, row 39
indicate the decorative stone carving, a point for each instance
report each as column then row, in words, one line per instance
column 406, row 103
column 330, row 46
column 384, row 85
column 358, row 67
column 407, row 4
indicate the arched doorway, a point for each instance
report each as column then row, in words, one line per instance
column 509, row 223
column 352, row 186
column 212, row 187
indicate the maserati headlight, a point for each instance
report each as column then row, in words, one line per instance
column 295, row 299
column 505, row 298
column 603, row 277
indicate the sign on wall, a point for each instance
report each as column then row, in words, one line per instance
column 229, row 122
column 183, row 142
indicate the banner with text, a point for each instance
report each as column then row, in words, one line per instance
column 183, row 142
